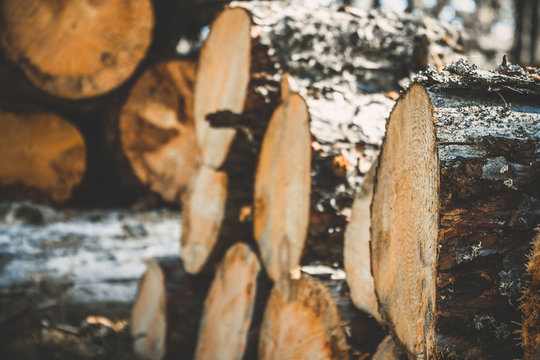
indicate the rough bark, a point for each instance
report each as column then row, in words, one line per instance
column 530, row 305
column 166, row 316
column 76, row 49
column 42, row 156
column 233, row 309
column 156, row 128
column 341, row 59
column 454, row 207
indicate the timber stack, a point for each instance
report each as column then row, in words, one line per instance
column 278, row 162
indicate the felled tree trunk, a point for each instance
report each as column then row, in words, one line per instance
column 167, row 312
column 156, row 128
column 42, row 156
column 530, row 305
column 77, row 49
column 356, row 249
column 454, row 206
column 233, row 309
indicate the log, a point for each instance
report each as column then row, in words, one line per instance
column 166, row 315
column 530, row 305
column 42, row 156
column 301, row 322
column 156, row 128
column 454, row 206
column 387, row 350
column 282, row 186
column 336, row 76
column 233, row 308
column 311, row 316
column 356, row 255
column 76, row 49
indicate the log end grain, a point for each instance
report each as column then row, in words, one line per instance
column 42, row 156
column 222, row 80
column 282, row 188
column 229, row 307
column 301, row 322
column 404, row 223
column 77, row 49
column 156, row 129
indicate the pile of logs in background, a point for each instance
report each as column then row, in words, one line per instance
column 297, row 243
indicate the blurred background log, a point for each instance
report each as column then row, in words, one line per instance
column 42, row 156
column 76, row 49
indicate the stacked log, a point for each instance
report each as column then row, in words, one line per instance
column 76, row 49
column 455, row 204
column 530, row 305
column 42, row 155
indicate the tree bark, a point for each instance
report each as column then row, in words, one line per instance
column 166, row 316
column 530, row 305
column 454, row 206
column 387, row 350
column 76, row 49
column 156, row 128
column 42, row 156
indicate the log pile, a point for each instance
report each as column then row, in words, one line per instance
column 455, row 204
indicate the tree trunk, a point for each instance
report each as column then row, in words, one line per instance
column 42, row 156
column 454, row 206
column 356, row 250
column 233, row 309
column 156, row 128
column 530, row 305
column 166, row 315
column 76, row 49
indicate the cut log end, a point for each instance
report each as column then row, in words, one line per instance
column 157, row 131
column 222, row 80
column 387, row 350
column 77, row 49
column 204, row 212
column 42, row 156
column 301, row 322
column 356, row 250
column 282, row 188
column 530, row 305
column 148, row 319
column 404, row 222
column 229, row 307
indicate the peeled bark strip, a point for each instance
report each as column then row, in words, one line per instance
column 156, row 128
column 301, row 321
column 454, row 206
column 282, row 187
column 530, row 305
column 166, row 314
column 356, row 250
column 76, row 49
column 230, row 308
column 42, row 156
column 343, row 82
